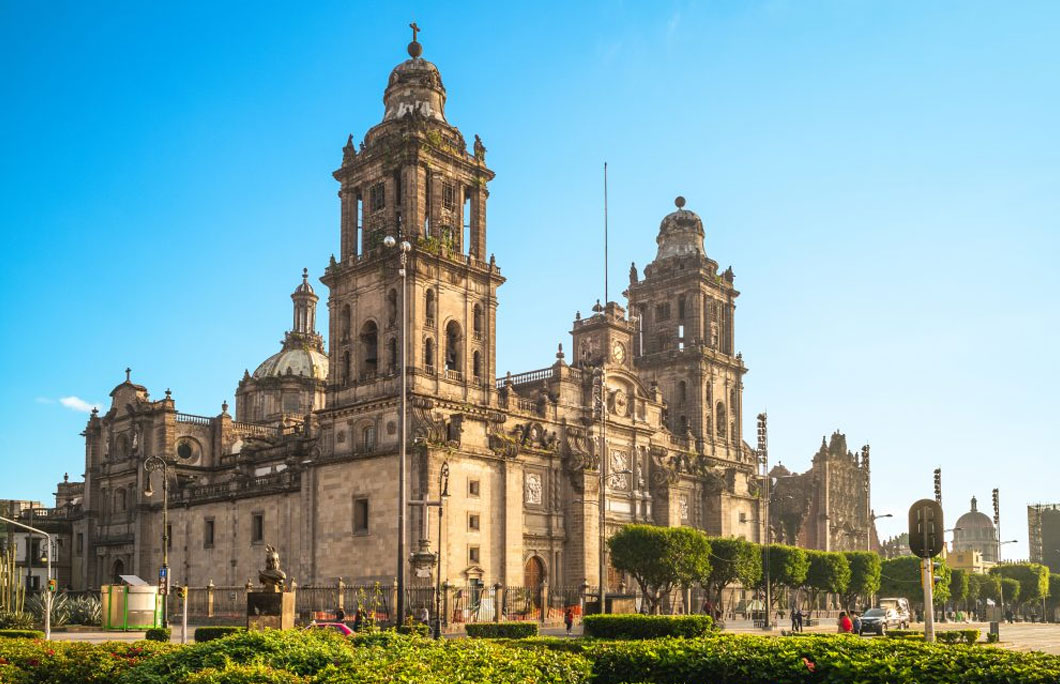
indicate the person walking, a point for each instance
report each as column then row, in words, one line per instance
column 568, row 620
column 856, row 623
column 794, row 619
column 358, row 620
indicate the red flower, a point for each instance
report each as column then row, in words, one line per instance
column 808, row 663
column 33, row 662
column 4, row 661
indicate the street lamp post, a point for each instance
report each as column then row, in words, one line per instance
column 443, row 494
column 404, row 248
column 48, row 570
column 152, row 463
column 1001, row 586
column 601, row 404
column 763, row 462
column 868, row 532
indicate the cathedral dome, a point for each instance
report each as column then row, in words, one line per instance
column 680, row 233
column 975, row 530
column 305, row 362
column 415, row 86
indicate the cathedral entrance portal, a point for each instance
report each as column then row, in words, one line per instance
column 119, row 570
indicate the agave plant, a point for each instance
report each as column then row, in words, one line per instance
column 60, row 608
column 86, row 610
column 12, row 620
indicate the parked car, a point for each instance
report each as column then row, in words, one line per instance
column 899, row 605
column 879, row 620
column 339, row 627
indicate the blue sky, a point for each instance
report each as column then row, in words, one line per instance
column 882, row 176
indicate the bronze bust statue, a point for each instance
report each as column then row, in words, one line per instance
column 272, row 577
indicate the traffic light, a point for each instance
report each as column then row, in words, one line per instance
column 53, row 585
column 182, row 592
column 925, row 528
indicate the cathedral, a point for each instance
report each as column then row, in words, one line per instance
column 650, row 395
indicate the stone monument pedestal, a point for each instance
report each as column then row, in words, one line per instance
column 270, row 610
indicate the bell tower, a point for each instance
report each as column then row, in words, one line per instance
column 413, row 178
column 683, row 308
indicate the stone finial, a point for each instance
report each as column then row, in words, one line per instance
column 415, row 49
column 224, row 407
column 679, row 202
column 168, row 393
column 559, row 352
column 66, row 477
column 598, row 308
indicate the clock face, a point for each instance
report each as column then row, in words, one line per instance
column 618, row 352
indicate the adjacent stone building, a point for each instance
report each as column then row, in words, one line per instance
column 309, row 463
column 828, row 507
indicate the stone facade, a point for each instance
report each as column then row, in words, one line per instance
column 310, row 464
column 827, row 507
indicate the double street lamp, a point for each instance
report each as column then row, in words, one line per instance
column 868, row 532
column 151, row 464
column 390, row 241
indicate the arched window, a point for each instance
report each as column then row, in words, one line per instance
column 392, row 355
column 719, row 419
column 682, row 425
column 682, row 392
column 391, row 306
column 369, row 349
column 368, row 437
column 119, row 500
column 476, row 365
column 345, row 372
column 453, row 355
column 428, row 355
column 477, row 320
column 429, row 307
column 119, row 570
column 344, row 323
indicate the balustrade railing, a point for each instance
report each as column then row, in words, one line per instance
column 193, row 419
column 523, row 378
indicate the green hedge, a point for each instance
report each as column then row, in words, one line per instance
column 211, row 633
column 957, row 636
column 326, row 657
column 501, row 630
column 158, row 634
column 646, row 626
column 836, row 659
column 21, row 634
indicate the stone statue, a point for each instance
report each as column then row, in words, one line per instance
column 480, row 149
column 272, row 577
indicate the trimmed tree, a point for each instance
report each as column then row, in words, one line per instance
column 732, row 560
column 828, row 573
column 901, row 577
column 660, row 558
column 1033, row 579
column 788, row 566
column 1010, row 590
column 864, row 577
column 958, row 585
